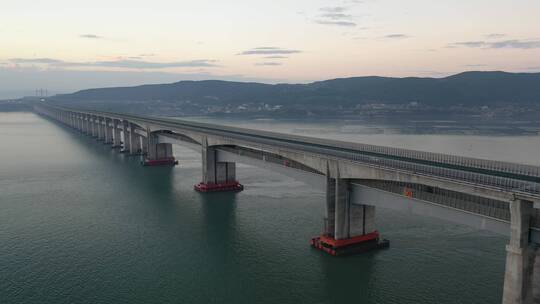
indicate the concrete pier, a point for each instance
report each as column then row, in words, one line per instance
column 157, row 154
column 133, row 137
column 216, row 175
column 144, row 145
column 86, row 122
column 126, row 147
column 79, row 123
column 117, row 134
column 348, row 228
column 94, row 126
column 522, row 275
column 101, row 128
column 343, row 219
column 108, row 131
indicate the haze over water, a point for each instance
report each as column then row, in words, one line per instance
column 81, row 223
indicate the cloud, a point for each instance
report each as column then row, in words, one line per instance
column 495, row 35
column 276, row 57
column 476, row 65
column 268, row 63
column 140, row 64
column 121, row 63
column 339, row 23
column 471, row 44
column 333, row 9
column 335, row 15
column 36, row 60
column 396, row 36
column 502, row 44
column 268, row 50
column 515, row 44
column 90, row 36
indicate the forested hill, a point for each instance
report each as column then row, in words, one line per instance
column 478, row 88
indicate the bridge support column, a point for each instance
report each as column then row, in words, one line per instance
column 126, row 148
column 144, row 145
column 522, row 275
column 133, row 140
column 86, row 123
column 108, row 132
column 79, row 123
column 117, row 134
column 157, row 154
column 90, row 125
column 101, row 129
column 217, row 176
column 94, row 127
column 348, row 228
column 138, row 144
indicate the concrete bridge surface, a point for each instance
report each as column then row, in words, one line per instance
column 497, row 196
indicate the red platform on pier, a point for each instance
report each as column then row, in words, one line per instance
column 168, row 161
column 234, row 186
column 349, row 246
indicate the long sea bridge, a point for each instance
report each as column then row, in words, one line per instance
column 501, row 197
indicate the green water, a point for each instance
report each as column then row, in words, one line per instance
column 81, row 223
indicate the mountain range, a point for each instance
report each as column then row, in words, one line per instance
column 475, row 88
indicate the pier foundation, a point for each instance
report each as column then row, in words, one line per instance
column 217, row 176
column 348, row 228
column 157, row 154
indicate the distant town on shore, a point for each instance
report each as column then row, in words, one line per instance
column 481, row 95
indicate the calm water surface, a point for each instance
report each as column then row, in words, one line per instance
column 80, row 223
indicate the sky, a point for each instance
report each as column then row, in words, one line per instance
column 68, row 45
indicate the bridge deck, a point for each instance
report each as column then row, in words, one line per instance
column 502, row 176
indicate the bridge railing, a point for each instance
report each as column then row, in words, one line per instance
column 406, row 154
column 510, row 184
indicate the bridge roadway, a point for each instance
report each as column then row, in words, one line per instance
column 498, row 196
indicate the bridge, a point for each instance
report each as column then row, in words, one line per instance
column 491, row 195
